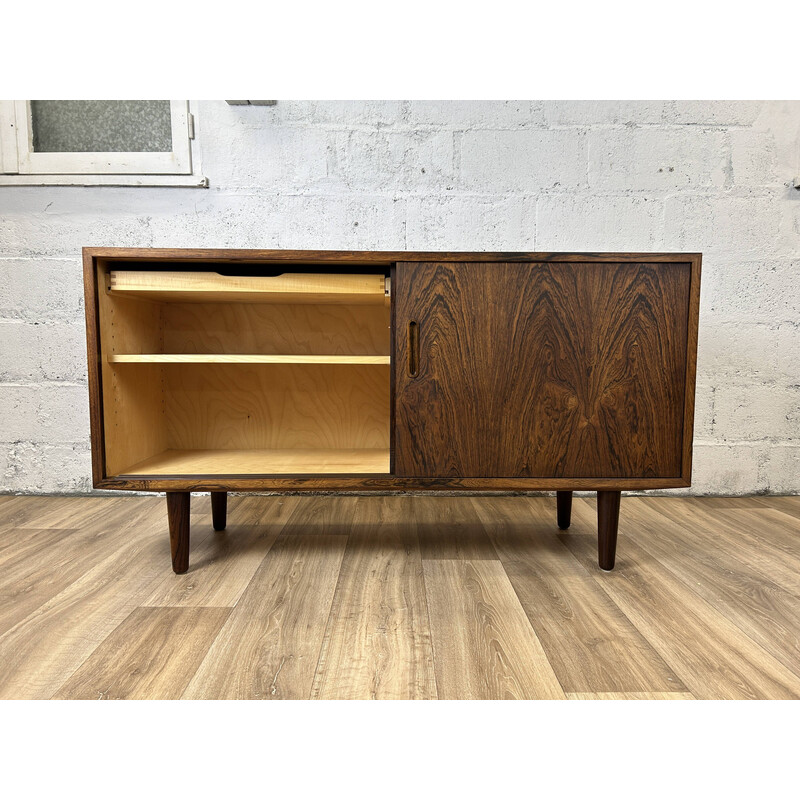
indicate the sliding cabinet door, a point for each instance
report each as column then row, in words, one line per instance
column 540, row 370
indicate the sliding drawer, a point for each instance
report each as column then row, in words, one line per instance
column 211, row 287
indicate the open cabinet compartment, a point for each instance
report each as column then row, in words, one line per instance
column 206, row 374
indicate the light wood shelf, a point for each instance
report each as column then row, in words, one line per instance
column 211, row 287
column 264, row 462
column 211, row 358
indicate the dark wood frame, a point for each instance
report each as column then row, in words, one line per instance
column 381, row 483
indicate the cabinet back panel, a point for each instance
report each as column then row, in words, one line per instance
column 247, row 328
column 240, row 407
column 541, row 370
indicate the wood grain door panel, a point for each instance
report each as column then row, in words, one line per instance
column 540, row 369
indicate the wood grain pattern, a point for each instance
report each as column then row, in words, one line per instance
column 765, row 538
column 629, row 696
column 41, row 651
column 231, row 358
column 450, row 530
column 263, row 462
column 178, row 521
column 207, row 287
column 133, row 331
column 132, row 403
column 46, row 562
column 787, row 505
column 230, row 256
column 607, row 526
column 98, row 261
column 294, row 329
column 484, row 647
column 152, row 655
column 710, row 655
column 606, row 345
column 603, row 345
column 92, row 267
column 378, row 644
column 276, row 407
column 591, row 645
column 713, row 603
column 49, row 512
column 38, row 564
column 691, row 369
column 373, row 483
column 761, row 600
column 223, row 564
column 269, row 647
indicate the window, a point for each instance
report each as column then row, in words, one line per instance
column 97, row 142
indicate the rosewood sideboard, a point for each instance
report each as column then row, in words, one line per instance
column 247, row 370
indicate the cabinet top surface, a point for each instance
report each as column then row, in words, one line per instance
column 383, row 257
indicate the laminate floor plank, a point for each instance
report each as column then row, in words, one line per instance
column 378, row 642
column 766, row 537
column 222, row 565
column 31, row 548
column 48, row 563
column 764, row 543
column 400, row 596
column 332, row 515
column 45, row 562
column 591, row 645
column 270, row 645
column 788, row 505
column 9, row 503
column 765, row 605
column 449, row 528
column 630, row 696
column 484, row 647
column 712, row 656
column 775, row 534
column 713, row 503
column 41, row 651
column 61, row 512
column 34, row 514
column 151, row 655
column 26, row 510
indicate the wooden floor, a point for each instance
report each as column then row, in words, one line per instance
column 400, row 597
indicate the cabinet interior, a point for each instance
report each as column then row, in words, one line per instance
column 212, row 374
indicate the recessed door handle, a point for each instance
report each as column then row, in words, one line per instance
column 413, row 349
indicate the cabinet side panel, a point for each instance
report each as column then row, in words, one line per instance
column 562, row 370
column 691, row 368
column 93, row 367
column 133, row 395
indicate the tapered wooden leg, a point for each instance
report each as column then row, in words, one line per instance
column 219, row 510
column 178, row 514
column 607, row 523
column 564, row 509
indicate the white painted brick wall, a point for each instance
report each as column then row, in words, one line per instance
column 570, row 175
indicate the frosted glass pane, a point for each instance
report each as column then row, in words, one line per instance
column 101, row 126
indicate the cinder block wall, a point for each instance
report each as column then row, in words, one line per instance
column 709, row 176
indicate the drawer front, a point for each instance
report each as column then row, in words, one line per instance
column 563, row 370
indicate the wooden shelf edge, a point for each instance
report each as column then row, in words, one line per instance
column 166, row 358
column 263, row 462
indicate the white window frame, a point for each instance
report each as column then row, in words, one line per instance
column 21, row 165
